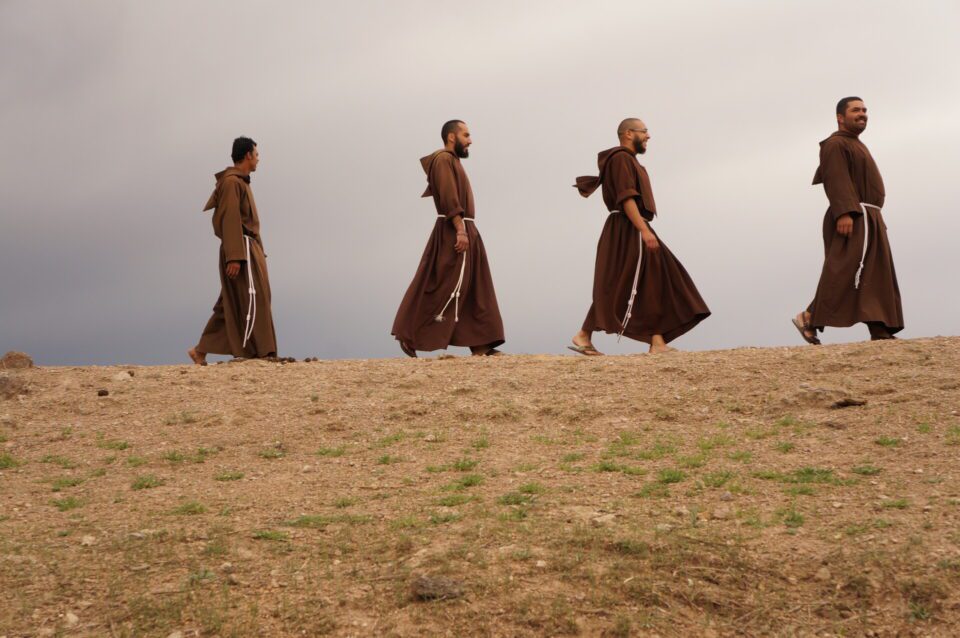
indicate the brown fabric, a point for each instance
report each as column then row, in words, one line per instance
column 235, row 215
column 436, row 278
column 849, row 176
column 619, row 166
column 667, row 301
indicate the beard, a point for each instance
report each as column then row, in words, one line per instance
column 638, row 147
column 461, row 150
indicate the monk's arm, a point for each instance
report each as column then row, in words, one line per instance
column 445, row 192
column 838, row 185
column 632, row 211
column 231, row 231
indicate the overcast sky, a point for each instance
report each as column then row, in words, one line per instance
column 115, row 115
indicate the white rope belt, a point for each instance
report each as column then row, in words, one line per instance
column 252, row 294
column 866, row 239
column 455, row 295
column 633, row 289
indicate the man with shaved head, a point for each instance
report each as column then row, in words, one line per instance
column 858, row 283
column 451, row 300
column 640, row 290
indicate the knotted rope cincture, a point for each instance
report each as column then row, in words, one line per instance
column 455, row 295
column 252, row 295
column 866, row 239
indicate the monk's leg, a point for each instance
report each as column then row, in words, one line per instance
column 199, row 358
column 878, row 331
column 583, row 338
column 214, row 337
column 804, row 318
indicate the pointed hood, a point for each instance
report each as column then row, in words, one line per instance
column 587, row 184
column 226, row 173
column 427, row 164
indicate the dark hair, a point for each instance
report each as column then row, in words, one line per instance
column 241, row 146
column 450, row 127
column 842, row 104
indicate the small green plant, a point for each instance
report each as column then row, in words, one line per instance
column 717, row 479
column 344, row 502
column 271, row 453
column 514, row 498
column 481, row 444
column 465, row 465
column 270, row 535
column 386, row 459
column 136, row 461
column 654, row 490
column 743, row 456
column 924, row 428
column 7, row 462
column 65, row 482
column 464, row 482
column 793, row 519
column 112, row 444
column 228, row 476
column 190, row 508
column 445, row 517
column 453, row 500
column 174, row 457
column 332, row 451
column 887, row 441
column 68, row 503
column 62, row 461
column 573, row 457
column 692, row 462
column 667, row 476
column 785, row 447
column 866, row 470
column 146, row 482
column 897, row 504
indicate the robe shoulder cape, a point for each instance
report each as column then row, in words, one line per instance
column 448, row 184
column 849, row 175
column 622, row 177
column 234, row 212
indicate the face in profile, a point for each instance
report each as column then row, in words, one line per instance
column 253, row 157
column 640, row 138
column 855, row 117
column 462, row 141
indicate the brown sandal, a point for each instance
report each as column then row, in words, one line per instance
column 804, row 328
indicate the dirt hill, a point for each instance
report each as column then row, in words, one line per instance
column 758, row 492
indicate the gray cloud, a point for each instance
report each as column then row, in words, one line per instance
column 117, row 114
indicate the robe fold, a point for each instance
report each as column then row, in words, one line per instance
column 850, row 177
column 473, row 318
column 237, row 224
column 667, row 301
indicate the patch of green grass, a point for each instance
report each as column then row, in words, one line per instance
column 658, row 450
column 953, row 435
column 270, row 535
column 768, row 475
column 573, row 457
column 811, row 475
column 465, row 465
column 785, row 447
column 190, row 508
column 887, row 441
column 453, row 500
column 792, row 518
column 866, row 470
column 7, row 462
column 386, row 459
column 100, row 471
column 611, row 466
column 444, row 517
column 332, row 451
column 344, row 502
column 228, row 476
column 692, row 462
column 68, row 503
column 182, row 417
column 464, row 482
column 714, row 442
column 406, row 522
column 759, row 433
column 437, row 469
column 320, row 521
column 717, row 479
column 513, row 515
column 898, row 504
column 136, row 461
column 65, row 482
column 531, row 488
column 62, row 461
column 744, row 456
column 653, row 490
column 924, row 428
column 667, row 476
column 112, row 444
column 480, row 444
column 271, row 453
column 800, row 490
column 787, row 421
column 389, row 440
column 146, row 482
column 514, row 498
column 173, row 456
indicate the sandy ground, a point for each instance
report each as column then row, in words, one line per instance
column 755, row 492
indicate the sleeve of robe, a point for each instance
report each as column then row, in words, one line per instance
column 443, row 181
column 835, row 172
column 231, row 226
column 622, row 178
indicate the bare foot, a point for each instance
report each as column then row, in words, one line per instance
column 198, row 358
column 658, row 349
column 802, row 322
column 583, row 339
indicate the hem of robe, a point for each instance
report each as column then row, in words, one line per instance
column 849, row 324
column 421, row 347
column 646, row 336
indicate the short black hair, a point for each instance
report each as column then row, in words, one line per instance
column 842, row 104
column 449, row 127
column 241, row 146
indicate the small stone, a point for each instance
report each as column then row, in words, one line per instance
column 726, row 496
column 664, row 527
column 430, row 438
column 822, row 575
column 721, row 513
column 175, row 634
column 71, row 619
column 226, row 568
column 836, row 505
column 103, row 393
column 15, row 361
column 123, row 375
column 436, row 588
column 680, row 510
column 604, row 520
column 88, row 540
column 541, row 564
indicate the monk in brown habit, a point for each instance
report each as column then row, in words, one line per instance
column 242, row 324
column 640, row 290
column 451, row 300
column 858, row 282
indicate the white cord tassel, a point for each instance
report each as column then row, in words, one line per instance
column 252, row 295
column 633, row 291
column 866, row 239
column 455, row 295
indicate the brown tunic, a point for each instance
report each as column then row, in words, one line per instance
column 436, row 279
column 667, row 302
column 850, row 176
column 234, row 218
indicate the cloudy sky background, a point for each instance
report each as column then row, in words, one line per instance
column 115, row 115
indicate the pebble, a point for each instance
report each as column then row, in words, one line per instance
column 664, row 527
column 721, row 513
column 88, row 540
column 603, row 520
column 823, row 574
column 836, row 505
column 726, row 496
column 541, row 564
column 123, row 375
column 103, row 393
column 680, row 510
column 226, row 568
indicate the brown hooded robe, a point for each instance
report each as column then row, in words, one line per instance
column 667, row 302
column 234, row 220
column 850, row 177
column 473, row 318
